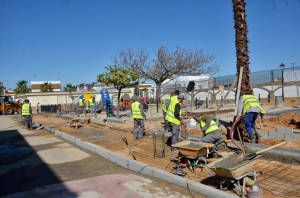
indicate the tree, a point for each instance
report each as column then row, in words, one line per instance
column 241, row 43
column 120, row 78
column 69, row 88
column 46, row 87
column 22, row 87
column 167, row 63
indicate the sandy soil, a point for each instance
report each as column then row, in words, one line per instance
column 285, row 120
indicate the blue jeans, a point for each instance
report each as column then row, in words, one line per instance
column 249, row 119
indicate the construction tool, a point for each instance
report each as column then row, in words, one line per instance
column 253, row 155
column 241, row 142
column 126, row 142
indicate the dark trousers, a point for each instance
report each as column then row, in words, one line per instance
column 249, row 119
column 175, row 135
column 213, row 138
column 166, row 127
column 28, row 121
column 138, row 129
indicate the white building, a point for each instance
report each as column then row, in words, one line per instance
column 36, row 86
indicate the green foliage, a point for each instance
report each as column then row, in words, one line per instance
column 22, row 87
column 69, row 88
column 46, row 87
column 119, row 77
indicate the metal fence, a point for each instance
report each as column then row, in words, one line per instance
column 257, row 78
column 68, row 108
column 59, row 108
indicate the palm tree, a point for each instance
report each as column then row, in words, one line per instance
column 46, row 87
column 69, row 88
column 22, row 87
column 241, row 43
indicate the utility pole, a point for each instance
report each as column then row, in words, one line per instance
column 293, row 65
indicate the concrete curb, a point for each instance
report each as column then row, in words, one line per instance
column 258, row 147
column 142, row 168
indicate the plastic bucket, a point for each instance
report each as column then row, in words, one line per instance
column 192, row 122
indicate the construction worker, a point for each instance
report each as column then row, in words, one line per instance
column 92, row 104
column 211, row 130
column 174, row 118
column 165, row 106
column 37, row 107
column 81, row 104
column 250, row 108
column 139, row 118
column 27, row 114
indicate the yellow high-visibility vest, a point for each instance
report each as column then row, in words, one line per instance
column 212, row 127
column 164, row 107
column 91, row 102
column 136, row 111
column 25, row 109
column 250, row 101
column 170, row 113
column 80, row 102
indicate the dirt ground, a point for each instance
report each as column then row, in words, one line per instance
column 274, row 180
column 285, row 120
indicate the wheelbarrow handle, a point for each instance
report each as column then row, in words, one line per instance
column 125, row 140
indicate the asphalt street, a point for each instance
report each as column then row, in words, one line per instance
column 35, row 163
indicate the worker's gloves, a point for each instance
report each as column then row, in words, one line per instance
column 204, row 128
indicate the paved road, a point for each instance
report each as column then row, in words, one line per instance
column 35, row 163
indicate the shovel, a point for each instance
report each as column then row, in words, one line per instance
column 253, row 155
column 126, row 142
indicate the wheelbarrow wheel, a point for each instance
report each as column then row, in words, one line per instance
column 250, row 179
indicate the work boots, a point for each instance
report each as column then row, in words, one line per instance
column 256, row 133
column 252, row 138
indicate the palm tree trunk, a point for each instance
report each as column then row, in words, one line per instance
column 241, row 43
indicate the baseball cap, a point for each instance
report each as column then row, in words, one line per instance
column 181, row 96
column 197, row 115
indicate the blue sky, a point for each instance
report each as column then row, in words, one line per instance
column 73, row 40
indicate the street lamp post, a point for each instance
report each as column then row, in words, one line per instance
column 282, row 68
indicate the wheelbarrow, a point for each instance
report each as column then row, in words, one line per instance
column 193, row 154
column 75, row 123
column 242, row 172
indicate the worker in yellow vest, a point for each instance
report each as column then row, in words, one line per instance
column 211, row 130
column 174, row 118
column 37, row 107
column 81, row 104
column 139, row 117
column 27, row 114
column 250, row 108
column 165, row 107
column 92, row 104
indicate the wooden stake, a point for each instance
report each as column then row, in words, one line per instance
column 221, row 104
column 242, row 143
